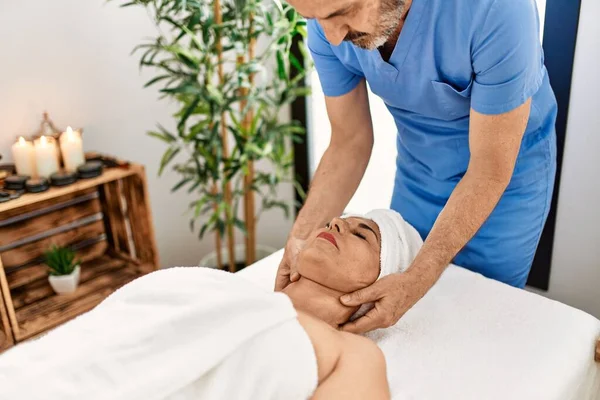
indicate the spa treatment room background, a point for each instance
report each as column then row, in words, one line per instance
column 72, row 59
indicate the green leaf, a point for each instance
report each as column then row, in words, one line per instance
column 198, row 207
column 186, row 114
column 221, row 227
column 185, row 88
column 295, row 62
column 180, row 184
column 251, row 147
column 301, row 29
column 202, row 231
column 194, row 186
column 277, row 204
column 240, row 225
column 167, row 158
column 170, row 21
column 301, row 91
column 257, row 118
column 193, row 36
column 281, row 71
column 299, row 189
column 157, row 79
column 269, row 20
column 60, row 260
column 197, row 130
column 215, row 94
column 167, row 138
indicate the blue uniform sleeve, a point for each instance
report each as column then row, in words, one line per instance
column 507, row 57
column 336, row 79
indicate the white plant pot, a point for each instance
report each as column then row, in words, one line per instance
column 65, row 283
column 210, row 260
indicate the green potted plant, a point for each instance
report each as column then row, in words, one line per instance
column 64, row 269
column 229, row 143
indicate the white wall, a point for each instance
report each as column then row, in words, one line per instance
column 71, row 58
column 575, row 275
column 375, row 190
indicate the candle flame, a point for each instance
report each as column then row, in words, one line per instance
column 21, row 141
column 69, row 135
column 43, row 140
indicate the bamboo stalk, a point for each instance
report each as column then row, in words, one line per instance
column 247, row 214
column 250, row 193
column 225, row 141
column 249, row 208
column 218, row 236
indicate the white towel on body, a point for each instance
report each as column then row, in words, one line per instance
column 177, row 334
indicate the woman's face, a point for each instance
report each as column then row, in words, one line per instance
column 343, row 256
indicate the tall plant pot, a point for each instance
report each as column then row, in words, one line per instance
column 64, row 284
column 210, row 260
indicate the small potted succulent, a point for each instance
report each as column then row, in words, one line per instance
column 64, row 269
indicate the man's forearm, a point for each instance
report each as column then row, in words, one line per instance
column 469, row 206
column 339, row 173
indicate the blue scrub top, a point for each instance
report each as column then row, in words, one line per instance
column 453, row 55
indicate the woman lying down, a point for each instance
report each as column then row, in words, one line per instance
column 195, row 333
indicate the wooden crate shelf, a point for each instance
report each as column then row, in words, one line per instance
column 105, row 220
column 38, row 309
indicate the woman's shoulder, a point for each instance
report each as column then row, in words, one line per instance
column 333, row 347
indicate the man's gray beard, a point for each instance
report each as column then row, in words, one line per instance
column 390, row 18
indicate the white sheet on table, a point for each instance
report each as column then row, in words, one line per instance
column 181, row 333
column 474, row 338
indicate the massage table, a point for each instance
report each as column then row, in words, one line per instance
column 474, row 338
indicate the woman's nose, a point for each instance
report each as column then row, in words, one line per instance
column 339, row 225
column 335, row 32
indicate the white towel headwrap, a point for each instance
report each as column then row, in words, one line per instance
column 400, row 243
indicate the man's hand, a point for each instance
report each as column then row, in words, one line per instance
column 393, row 296
column 287, row 272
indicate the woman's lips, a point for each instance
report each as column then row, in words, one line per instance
column 329, row 237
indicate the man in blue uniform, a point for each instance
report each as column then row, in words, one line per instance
column 466, row 83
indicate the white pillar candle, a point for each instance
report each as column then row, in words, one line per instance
column 71, row 147
column 24, row 157
column 46, row 156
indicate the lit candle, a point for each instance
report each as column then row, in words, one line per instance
column 71, row 147
column 46, row 156
column 24, row 157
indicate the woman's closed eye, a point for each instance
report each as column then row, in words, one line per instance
column 360, row 235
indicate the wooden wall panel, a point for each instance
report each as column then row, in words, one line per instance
column 116, row 219
column 29, row 207
column 40, row 289
column 27, row 275
column 140, row 217
column 85, row 206
column 6, row 300
column 43, row 315
column 34, row 251
column 6, row 336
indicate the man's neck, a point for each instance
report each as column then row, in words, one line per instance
column 388, row 47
